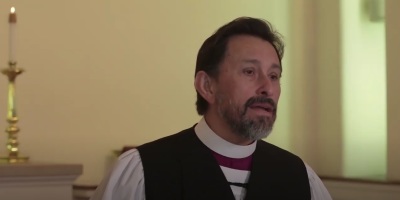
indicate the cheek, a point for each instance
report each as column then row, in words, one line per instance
column 241, row 97
column 277, row 94
column 237, row 93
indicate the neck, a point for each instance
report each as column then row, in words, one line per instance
column 223, row 130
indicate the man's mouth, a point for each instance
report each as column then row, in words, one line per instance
column 263, row 106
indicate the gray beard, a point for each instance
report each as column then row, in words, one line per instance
column 251, row 129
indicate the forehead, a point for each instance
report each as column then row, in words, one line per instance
column 251, row 47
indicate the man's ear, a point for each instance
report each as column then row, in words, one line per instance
column 204, row 86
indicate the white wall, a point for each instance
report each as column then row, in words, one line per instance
column 316, row 84
column 363, row 91
column 393, row 82
column 103, row 74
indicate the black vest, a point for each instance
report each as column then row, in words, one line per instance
column 180, row 166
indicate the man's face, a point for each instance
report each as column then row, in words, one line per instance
column 248, row 86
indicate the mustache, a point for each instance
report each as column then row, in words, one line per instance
column 260, row 99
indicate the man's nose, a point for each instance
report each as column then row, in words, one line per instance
column 264, row 85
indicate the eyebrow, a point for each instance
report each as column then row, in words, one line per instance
column 256, row 62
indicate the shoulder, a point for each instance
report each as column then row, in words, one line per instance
column 317, row 187
column 283, row 160
column 169, row 142
column 126, row 179
column 129, row 164
column 273, row 150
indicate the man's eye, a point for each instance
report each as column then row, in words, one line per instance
column 274, row 77
column 248, row 71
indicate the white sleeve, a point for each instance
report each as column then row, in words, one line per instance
column 318, row 189
column 125, row 181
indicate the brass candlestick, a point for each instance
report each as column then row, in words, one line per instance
column 12, row 143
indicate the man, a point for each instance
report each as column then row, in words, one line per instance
column 237, row 80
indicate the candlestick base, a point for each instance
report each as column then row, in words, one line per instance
column 19, row 159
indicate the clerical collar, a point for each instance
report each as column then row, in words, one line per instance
column 219, row 145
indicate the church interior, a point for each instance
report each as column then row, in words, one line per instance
column 100, row 77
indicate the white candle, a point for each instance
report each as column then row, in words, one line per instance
column 12, row 19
